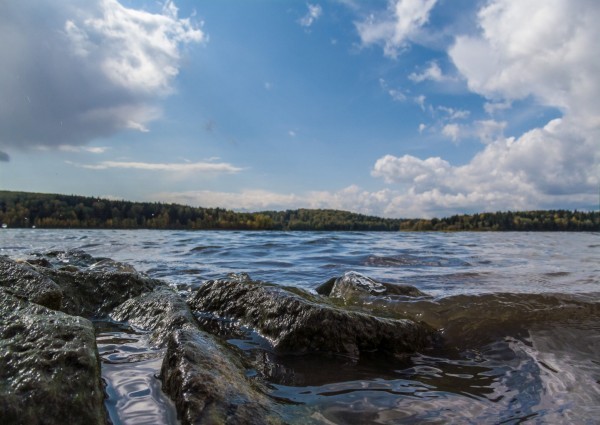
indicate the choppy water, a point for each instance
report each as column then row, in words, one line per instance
column 520, row 313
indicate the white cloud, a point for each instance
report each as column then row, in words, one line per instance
column 422, row 127
column 539, row 48
column 76, row 71
column 409, row 169
column 351, row 198
column 396, row 27
column 489, row 131
column 493, row 107
column 454, row 114
column 536, row 170
column 79, row 149
column 395, row 94
column 433, row 72
column 186, row 167
column 250, row 200
column 452, row 131
column 420, row 100
column 314, row 12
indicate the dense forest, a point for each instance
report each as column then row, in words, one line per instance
column 22, row 209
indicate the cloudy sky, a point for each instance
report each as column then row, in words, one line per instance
column 400, row 108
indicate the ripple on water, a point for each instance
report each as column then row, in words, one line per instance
column 129, row 369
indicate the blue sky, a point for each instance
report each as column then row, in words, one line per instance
column 405, row 108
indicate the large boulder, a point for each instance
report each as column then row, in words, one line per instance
column 49, row 368
column 26, row 281
column 298, row 322
column 208, row 383
column 89, row 286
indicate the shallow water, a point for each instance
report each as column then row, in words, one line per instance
column 134, row 394
column 518, row 313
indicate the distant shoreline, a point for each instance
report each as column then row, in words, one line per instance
column 55, row 211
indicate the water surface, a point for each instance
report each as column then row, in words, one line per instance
column 519, row 314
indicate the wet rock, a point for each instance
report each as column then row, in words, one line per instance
column 208, row 384
column 97, row 293
column 25, row 281
column 49, row 369
column 353, row 284
column 298, row 322
column 74, row 282
column 162, row 311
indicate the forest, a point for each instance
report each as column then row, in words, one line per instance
column 24, row 209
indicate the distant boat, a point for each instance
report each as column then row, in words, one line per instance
column 33, row 227
column 4, row 225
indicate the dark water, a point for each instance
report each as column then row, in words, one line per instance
column 519, row 315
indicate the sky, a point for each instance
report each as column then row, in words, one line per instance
column 401, row 108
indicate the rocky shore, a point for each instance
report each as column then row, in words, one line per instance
column 50, row 369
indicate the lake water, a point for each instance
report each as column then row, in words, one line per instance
column 520, row 314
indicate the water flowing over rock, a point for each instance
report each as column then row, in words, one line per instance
column 161, row 312
column 204, row 377
column 49, row 367
column 353, row 284
column 298, row 322
column 209, row 385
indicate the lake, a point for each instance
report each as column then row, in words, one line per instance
column 519, row 313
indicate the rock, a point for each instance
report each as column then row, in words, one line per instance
column 162, row 312
column 25, row 281
column 353, row 284
column 49, row 368
column 97, row 293
column 208, row 384
column 298, row 322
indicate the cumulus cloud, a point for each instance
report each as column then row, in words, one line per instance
column 545, row 50
column 76, row 71
column 314, row 12
column 395, row 28
column 537, row 170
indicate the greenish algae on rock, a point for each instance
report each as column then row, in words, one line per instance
column 50, row 372
column 299, row 324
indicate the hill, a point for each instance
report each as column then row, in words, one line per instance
column 24, row 209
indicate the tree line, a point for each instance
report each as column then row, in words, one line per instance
column 24, row 209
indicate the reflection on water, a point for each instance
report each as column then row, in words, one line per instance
column 129, row 370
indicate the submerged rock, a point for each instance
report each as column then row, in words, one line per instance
column 208, row 384
column 49, row 368
column 298, row 322
column 353, row 284
column 25, row 281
